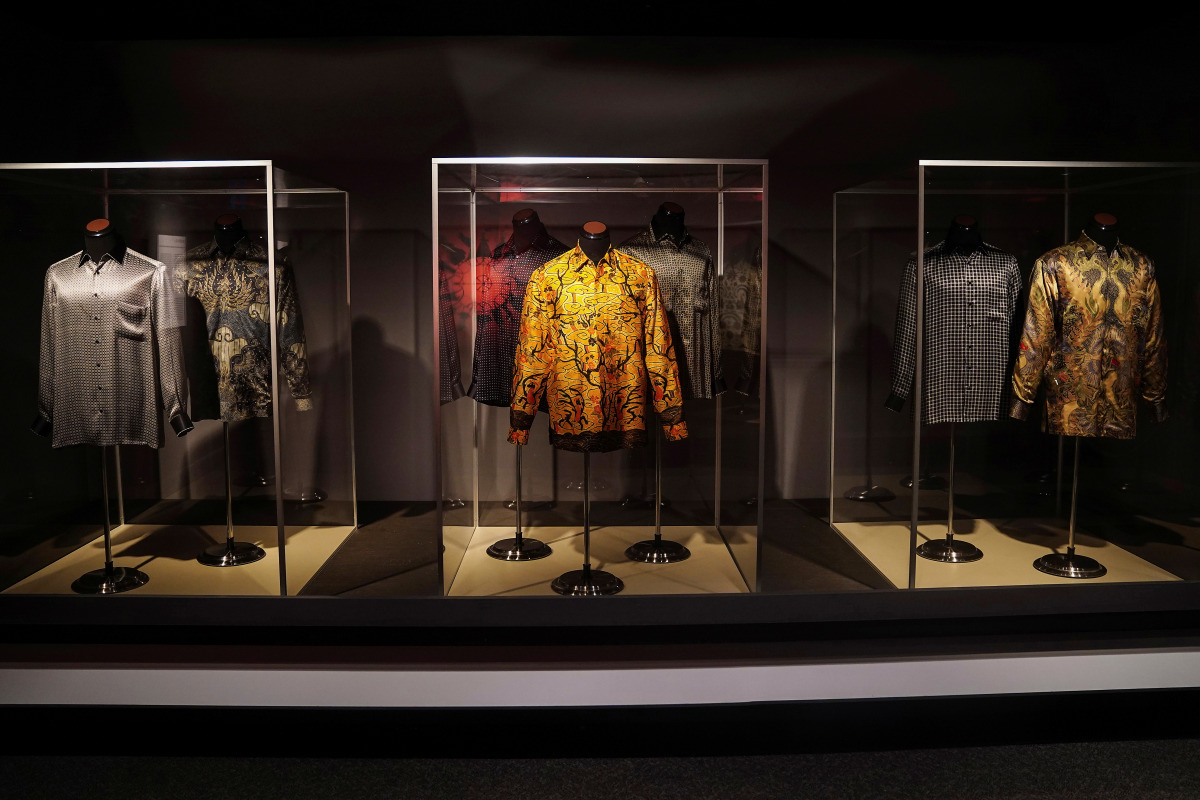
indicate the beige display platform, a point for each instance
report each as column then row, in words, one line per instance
column 167, row 554
column 1009, row 549
column 710, row 569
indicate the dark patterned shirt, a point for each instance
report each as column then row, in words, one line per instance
column 234, row 291
column 741, row 319
column 595, row 342
column 970, row 301
column 1094, row 335
column 500, row 291
column 688, row 283
column 107, row 328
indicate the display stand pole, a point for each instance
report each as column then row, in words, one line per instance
column 111, row 579
column 657, row 550
column 1069, row 564
column 519, row 548
column 587, row 582
column 948, row 550
column 231, row 553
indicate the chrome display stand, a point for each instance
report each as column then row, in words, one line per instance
column 948, row 550
column 1070, row 564
column 231, row 553
column 657, row 550
column 110, row 579
column 519, row 548
column 587, row 582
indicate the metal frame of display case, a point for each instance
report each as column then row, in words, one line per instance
column 915, row 397
column 720, row 190
column 271, row 192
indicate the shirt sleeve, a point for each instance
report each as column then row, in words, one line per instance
column 534, row 357
column 43, row 423
column 1037, row 338
column 661, row 367
column 293, row 350
column 167, row 341
column 904, row 344
column 1154, row 352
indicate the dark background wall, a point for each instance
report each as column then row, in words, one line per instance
column 366, row 114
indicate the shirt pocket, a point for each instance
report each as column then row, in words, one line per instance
column 130, row 322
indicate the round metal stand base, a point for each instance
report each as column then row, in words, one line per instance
column 1070, row 565
column 587, row 583
column 870, row 494
column 101, row 581
column 230, row 554
column 522, row 549
column 657, row 551
column 950, row 551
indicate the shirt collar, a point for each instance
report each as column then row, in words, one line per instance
column 578, row 258
column 239, row 249
column 1090, row 246
column 118, row 255
column 667, row 236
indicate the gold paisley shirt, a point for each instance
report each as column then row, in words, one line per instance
column 1094, row 335
column 594, row 341
column 234, row 292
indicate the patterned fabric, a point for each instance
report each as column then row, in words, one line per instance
column 741, row 320
column 106, row 328
column 594, row 340
column 970, row 301
column 500, row 289
column 234, row 292
column 687, row 280
column 1094, row 333
column 449, row 364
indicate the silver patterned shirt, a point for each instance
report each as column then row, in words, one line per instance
column 687, row 281
column 110, row 346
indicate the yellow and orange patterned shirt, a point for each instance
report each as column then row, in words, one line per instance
column 1094, row 331
column 594, row 342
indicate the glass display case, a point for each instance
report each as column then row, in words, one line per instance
column 188, row 302
column 639, row 513
column 933, row 480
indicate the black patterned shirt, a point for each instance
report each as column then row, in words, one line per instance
column 107, row 329
column 688, row 283
column 500, row 291
column 235, row 295
column 970, row 301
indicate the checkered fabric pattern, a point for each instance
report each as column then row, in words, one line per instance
column 970, row 300
column 107, row 329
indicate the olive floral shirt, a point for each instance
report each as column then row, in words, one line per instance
column 1094, row 335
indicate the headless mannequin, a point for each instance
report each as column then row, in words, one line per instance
column 228, row 231
column 963, row 236
column 1102, row 229
column 669, row 219
column 101, row 239
column 594, row 240
column 527, row 227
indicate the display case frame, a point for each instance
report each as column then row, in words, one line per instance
column 929, row 189
column 285, row 211
column 460, row 177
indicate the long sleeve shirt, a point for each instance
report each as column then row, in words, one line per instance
column 1094, row 335
column 110, row 348
column 687, row 280
column 970, row 300
column 594, row 341
column 500, row 290
column 234, row 290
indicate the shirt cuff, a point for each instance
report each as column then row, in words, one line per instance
column 303, row 403
column 42, row 426
column 894, row 402
column 1159, row 409
column 182, row 423
column 1019, row 409
column 673, row 433
column 518, row 436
